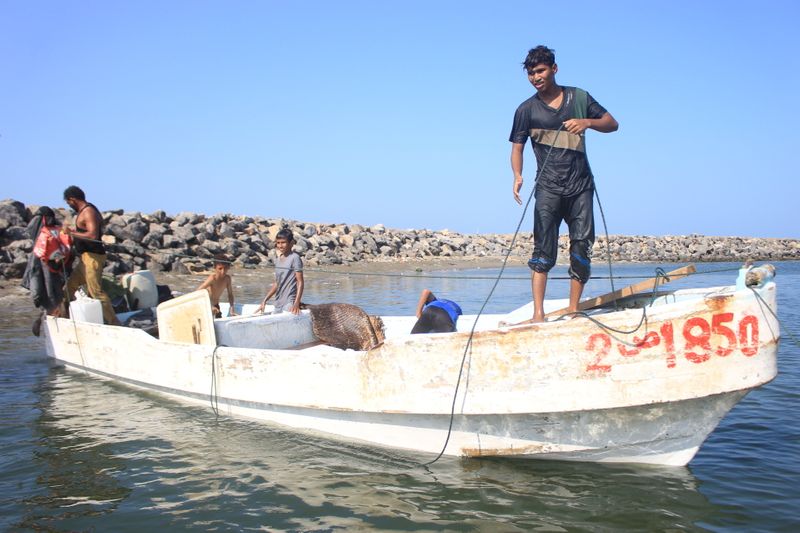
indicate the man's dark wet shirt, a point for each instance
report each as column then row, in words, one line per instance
column 567, row 172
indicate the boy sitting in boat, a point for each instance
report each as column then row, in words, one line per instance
column 218, row 281
column 288, row 285
column 435, row 315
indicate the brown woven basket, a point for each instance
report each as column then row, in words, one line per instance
column 346, row 326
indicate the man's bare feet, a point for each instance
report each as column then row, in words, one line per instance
column 529, row 321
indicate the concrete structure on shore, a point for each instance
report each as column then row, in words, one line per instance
column 187, row 241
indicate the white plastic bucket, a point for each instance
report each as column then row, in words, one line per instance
column 142, row 289
column 86, row 310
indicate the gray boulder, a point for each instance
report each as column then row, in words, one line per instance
column 134, row 230
column 185, row 234
column 13, row 212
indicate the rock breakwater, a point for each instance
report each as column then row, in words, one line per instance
column 187, row 242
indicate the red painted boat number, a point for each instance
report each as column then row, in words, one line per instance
column 701, row 341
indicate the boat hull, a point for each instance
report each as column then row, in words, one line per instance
column 571, row 390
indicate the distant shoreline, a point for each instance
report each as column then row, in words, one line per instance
column 186, row 243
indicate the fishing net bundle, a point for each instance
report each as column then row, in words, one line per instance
column 346, row 326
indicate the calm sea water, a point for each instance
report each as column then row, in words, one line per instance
column 78, row 453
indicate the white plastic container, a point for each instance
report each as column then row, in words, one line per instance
column 86, row 310
column 142, row 289
column 276, row 332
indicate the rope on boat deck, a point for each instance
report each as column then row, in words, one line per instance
column 660, row 274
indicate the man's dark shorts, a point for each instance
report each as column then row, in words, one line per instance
column 578, row 212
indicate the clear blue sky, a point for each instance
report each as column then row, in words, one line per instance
column 399, row 112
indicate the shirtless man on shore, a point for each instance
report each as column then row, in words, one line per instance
column 218, row 281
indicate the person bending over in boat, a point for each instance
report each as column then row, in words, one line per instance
column 288, row 285
column 90, row 249
column 218, row 281
column 555, row 119
column 435, row 315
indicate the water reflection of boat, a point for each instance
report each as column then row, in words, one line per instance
column 571, row 390
column 111, row 457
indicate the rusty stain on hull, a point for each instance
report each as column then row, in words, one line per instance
column 511, row 451
column 719, row 303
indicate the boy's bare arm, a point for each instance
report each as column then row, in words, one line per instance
column 232, row 311
column 271, row 292
column 298, row 276
column 207, row 283
column 424, row 297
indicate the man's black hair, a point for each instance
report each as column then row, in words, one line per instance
column 284, row 233
column 73, row 191
column 540, row 54
column 221, row 259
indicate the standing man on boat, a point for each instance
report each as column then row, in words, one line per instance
column 91, row 250
column 555, row 119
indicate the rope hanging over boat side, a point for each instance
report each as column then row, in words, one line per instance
column 763, row 304
column 488, row 297
column 214, row 393
column 67, row 301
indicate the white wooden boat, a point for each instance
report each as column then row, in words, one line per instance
column 567, row 390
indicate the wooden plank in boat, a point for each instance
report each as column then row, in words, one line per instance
column 627, row 291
